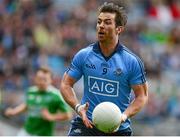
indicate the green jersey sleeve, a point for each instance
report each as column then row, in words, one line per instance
column 59, row 101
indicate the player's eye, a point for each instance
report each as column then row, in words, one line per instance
column 98, row 22
column 108, row 22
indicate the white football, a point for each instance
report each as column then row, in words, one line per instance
column 106, row 117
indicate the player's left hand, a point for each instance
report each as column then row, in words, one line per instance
column 47, row 115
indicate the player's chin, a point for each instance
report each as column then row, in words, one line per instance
column 101, row 39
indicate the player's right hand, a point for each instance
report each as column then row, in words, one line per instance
column 82, row 109
column 9, row 112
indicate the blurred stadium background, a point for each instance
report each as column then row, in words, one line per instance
column 49, row 32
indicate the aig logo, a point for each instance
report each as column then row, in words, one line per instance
column 103, row 87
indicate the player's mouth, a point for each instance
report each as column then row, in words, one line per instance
column 101, row 33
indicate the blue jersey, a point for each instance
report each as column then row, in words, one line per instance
column 107, row 79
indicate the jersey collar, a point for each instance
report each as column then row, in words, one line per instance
column 97, row 49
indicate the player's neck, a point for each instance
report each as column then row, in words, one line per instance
column 107, row 48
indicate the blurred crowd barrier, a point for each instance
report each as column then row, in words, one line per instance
column 36, row 33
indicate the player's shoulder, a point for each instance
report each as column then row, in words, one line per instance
column 53, row 90
column 129, row 55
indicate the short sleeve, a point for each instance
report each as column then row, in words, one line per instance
column 137, row 72
column 75, row 69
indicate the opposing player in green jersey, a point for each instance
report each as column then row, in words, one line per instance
column 44, row 105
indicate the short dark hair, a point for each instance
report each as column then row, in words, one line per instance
column 121, row 16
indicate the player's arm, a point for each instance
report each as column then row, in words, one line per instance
column 66, row 88
column 141, row 98
column 60, row 116
column 67, row 91
column 17, row 110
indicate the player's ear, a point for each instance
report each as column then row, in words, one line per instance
column 119, row 29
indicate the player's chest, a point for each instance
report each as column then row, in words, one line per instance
column 38, row 99
column 113, row 68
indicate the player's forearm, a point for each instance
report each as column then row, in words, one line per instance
column 19, row 109
column 68, row 94
column 136, row 105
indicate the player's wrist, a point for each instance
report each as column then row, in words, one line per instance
column 124, row 117
column 76, row 108
column 79, row 107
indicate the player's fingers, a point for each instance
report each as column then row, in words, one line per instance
column 91, row 122
column 86, row 121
